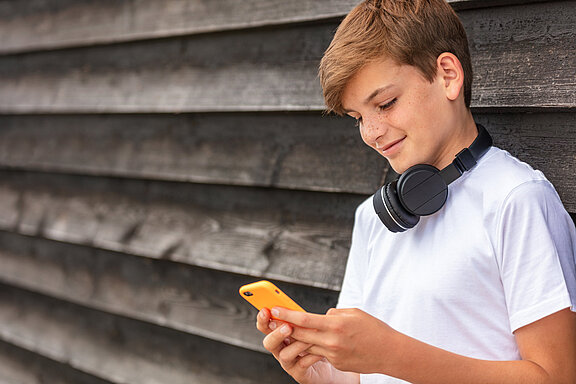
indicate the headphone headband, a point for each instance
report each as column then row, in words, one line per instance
column 467, row 158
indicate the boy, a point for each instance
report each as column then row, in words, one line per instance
column 479, row 292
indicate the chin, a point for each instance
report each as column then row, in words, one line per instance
column 398, row 167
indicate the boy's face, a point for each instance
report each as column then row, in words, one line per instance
column 402, row 115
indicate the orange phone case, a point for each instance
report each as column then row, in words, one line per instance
column 264, row 294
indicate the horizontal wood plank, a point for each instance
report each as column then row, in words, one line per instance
column 120, row 350
column 20, row 366
column 300, row 237
column 254, row 71
column 220, row 72
column 295, row 151
column 523, row 53
column 37, row 24
column 194, row 300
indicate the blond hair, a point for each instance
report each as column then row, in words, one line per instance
column 412, row 32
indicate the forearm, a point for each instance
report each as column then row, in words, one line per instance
column 421, row 363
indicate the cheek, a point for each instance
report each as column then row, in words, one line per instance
column 418, row 117
column 409, row 111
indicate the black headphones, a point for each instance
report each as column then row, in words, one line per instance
column 422, row 190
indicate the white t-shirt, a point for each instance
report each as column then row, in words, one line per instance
column 499, row 255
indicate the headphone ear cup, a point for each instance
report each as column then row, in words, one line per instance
column 403, row 219
column 421, row 190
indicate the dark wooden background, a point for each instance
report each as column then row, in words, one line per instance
column 156, row 155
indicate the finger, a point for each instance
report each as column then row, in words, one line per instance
column 274, row 341
column 301, row 319
column 291, row 353
column 309, row 336
column 332, row 311
column 273, row 324
column 263, row 321
column 316, row 350
column 309, row 360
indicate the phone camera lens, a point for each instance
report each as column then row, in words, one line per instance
column 248, row 293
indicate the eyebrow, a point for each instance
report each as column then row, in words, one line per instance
column 377, row 92
column 373, row 95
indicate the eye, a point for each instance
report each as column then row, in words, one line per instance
column 388, row 105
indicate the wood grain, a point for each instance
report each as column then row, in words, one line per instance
column 250, row 70
column 294, row 151
column 25, row 367
column 37, row 25
column 194, row 300
column 505, row 71
column 293, row 236
column 121, row 350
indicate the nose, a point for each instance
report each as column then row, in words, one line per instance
column 372, row 131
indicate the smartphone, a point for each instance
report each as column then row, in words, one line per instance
column 264, row 294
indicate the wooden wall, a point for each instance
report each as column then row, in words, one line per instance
column 156, row 155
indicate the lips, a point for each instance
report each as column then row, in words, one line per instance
column 389, row 146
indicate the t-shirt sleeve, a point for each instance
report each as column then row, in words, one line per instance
column 357, row 264
column 537, row 247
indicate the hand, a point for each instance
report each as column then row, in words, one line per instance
column 350, row 339
column 304, row 367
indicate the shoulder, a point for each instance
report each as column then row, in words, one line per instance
column 501, row 177
column 501, row 170
column 518, row 200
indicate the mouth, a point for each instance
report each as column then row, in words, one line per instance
column 391, row 147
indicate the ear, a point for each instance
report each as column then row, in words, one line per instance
column 452, row 75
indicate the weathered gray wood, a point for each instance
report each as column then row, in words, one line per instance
column 295, row 151
column 37, row 24
column 19, row 366
column 222, row 72
column 301, row 151
column 124, row 351
column 293, row 236
column 524, row 53
column 471, row 4
column 252, row 71
column 194, row 300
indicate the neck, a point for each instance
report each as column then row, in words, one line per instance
column 464, row 134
